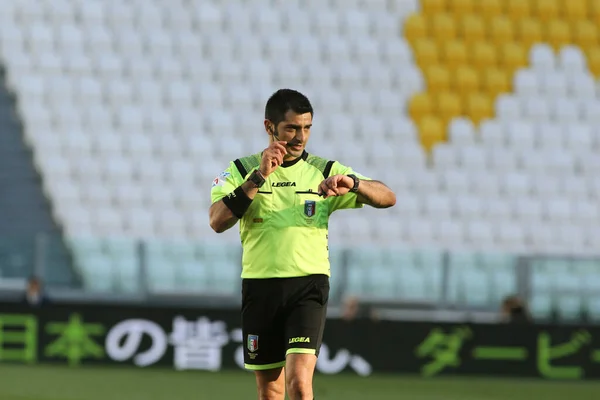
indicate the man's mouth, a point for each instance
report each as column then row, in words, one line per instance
column 295, row 146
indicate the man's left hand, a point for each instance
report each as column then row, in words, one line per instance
column 337, row 185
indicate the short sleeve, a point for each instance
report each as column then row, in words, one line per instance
column 348, row 200
column 225, row 183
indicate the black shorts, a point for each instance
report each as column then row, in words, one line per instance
column 282, row 316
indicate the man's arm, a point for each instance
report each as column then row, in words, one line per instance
column 371, row 192
column 221, row 218
column 234, row 201
column 375, row 194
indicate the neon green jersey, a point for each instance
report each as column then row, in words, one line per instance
column 284, row 232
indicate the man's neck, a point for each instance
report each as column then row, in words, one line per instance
column 290, row 160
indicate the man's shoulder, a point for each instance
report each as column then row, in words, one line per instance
column 322, row 164
column 247, row 163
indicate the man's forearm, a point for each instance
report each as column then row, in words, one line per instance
column 375, row 194
column 249, row 189
column 220, row 216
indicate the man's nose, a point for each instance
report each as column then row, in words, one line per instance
column 300, row 135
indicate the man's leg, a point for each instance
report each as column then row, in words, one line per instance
column 304, row 333
column 264, row 337
column 299, row 375
column 271, row 384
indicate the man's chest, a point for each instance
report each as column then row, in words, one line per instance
column 290, row 199
column 285, row 185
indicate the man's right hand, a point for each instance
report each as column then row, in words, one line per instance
column 272, row 157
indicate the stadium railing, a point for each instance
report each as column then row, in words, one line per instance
column 399, row 281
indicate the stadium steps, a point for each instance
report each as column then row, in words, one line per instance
column 24, row 210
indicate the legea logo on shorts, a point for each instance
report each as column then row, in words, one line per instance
column 300, row 340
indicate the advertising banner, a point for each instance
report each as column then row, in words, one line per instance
column 209, row 339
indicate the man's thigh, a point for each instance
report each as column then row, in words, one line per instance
column 305, row 316
column 262, row 325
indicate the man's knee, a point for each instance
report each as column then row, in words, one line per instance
column 270, row 384
column 299, row 388
column 271, row 393
column 300, row 368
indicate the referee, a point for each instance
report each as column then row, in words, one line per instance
column 283, row 198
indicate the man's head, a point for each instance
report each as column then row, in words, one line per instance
column 514, row 310
column 288, row 118
column 34, row 285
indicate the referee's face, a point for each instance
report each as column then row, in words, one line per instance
column 295, row 130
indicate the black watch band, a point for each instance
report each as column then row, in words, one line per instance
column 256, row 178
column 356, row 182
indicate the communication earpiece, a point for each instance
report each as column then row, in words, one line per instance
column 272, row 130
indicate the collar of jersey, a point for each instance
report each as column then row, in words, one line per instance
column 286, row 164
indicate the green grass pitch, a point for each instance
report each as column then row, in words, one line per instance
column 18, row 382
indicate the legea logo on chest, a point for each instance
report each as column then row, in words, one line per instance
column 283, row 184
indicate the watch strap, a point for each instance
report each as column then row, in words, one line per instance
column 356, row 182
column 257, row 179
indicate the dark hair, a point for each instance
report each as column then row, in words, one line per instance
column 283, row 101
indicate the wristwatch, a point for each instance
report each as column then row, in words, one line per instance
column 256, row 178
column 356, row 182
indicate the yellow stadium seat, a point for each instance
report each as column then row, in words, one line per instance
column 574, row 10
column 529, row 32
column 473, row 29
column 461, row 7
column 478, row 107
column 546, row 10
column 595, row 18
column 420, row 105
column 426, row 53
column 416, row 28
column 430, row 7
column 593, row 59
column 448, row 106
column 518, row 9
column 514, row 56
column 496, row 81
column 483, row 55
column 431, row 131
column 489, row 8
column 558, row 33
column 466, row 81
column 585, row 34
column 501, row 30
column 594, row 11
column 443, row 27
column 438, row 79
column 455, row 54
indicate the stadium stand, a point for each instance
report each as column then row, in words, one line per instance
column 24, row 210
column 481, row 115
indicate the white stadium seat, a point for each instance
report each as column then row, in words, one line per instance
column 542, row 58
column 132, row 108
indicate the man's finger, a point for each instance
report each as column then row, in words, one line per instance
column 326, row 191
column 281, row 152
column 281, row 147
column 274, row 153
column 323, row 189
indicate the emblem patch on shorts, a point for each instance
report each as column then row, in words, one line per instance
column 252, row 343
column 310, row 208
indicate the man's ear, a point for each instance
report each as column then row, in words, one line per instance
column 269, row 127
